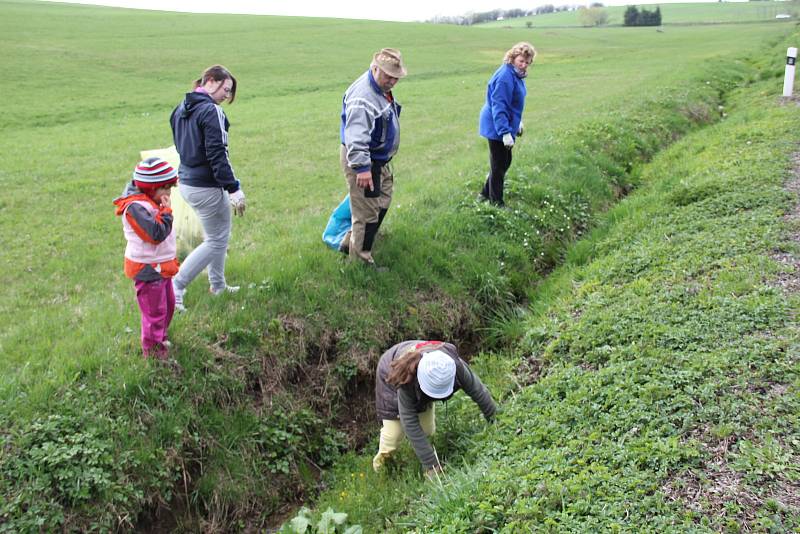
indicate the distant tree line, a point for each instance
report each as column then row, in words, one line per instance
column 495, row 14
column 634, row 17
column 594, row 15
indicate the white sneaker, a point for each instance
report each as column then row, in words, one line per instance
column 179, row 307
column 226, row 289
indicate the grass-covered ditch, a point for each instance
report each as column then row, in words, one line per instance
column 656, row 382
column 277, row 381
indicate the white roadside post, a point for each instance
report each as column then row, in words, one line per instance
column 788, row 79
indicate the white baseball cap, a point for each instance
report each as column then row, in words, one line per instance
column 436, row 374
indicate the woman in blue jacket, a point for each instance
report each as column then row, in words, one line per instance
column 501, row 116
column 207, row 181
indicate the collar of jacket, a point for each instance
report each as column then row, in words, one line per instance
column 374, row 84
column 514, row 70
column 123, row 202
column 193, row 100
column 422, row 347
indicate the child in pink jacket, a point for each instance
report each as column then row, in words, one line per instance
column 150, row 256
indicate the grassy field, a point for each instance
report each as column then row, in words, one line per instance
column 93, row 436
column 671, row 14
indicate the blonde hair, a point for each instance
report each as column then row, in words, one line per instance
column 520, row 49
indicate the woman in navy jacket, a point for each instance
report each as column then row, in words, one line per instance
column 207, row 181
column 501, row 116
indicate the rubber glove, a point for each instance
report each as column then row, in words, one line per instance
column 237, row 201
column 508, row 140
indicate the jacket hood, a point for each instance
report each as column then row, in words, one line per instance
column 192, row 101
column 130, row 194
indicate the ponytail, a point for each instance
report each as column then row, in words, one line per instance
column 218, row 73
column 404, row 369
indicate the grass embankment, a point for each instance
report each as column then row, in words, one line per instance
column 658, row 384
column 671, row 15
column 92, row 437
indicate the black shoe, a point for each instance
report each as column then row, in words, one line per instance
column 370, row 232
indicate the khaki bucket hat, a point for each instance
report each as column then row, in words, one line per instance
column 390, row 61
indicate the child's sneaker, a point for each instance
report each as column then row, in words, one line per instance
column 226, row 289
column 179, row 307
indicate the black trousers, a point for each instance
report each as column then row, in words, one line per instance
column 499, row 162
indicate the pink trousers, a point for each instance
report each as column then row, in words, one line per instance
column 157, row 304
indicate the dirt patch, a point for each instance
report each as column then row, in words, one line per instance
column 698, row 113
column 530, row 370
column 792, row 217
column 789, row 279
column 786, row 100
column 718, row 491
column 709, row 489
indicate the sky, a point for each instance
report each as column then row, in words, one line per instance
column 402, row 10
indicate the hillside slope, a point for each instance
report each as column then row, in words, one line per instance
column 659, row 380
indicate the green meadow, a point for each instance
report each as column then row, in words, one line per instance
column 277, row 380
column 671, row 14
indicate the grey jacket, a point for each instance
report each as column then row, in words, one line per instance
column 370, row 125
column 407, row 401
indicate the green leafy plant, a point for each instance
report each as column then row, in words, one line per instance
column 329, row 522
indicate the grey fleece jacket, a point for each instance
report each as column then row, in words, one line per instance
column 408, row 401
column 370, row 126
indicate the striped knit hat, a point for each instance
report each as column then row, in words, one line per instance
column 153, row 173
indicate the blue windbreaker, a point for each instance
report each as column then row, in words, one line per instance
column 505, row 101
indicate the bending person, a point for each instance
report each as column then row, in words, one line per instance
column 411, row 376
column 207, row 181
column 501, row 116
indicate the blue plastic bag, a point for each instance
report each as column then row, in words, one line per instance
column 338, row 225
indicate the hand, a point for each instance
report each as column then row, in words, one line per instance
column 166, row 202
column 521, row 129
column 237, row 201
column 508, row 140
column 364, row 180
column 432, row 472
column 492, row 419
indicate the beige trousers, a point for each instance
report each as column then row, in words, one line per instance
column 364, row 209
column 392, row 435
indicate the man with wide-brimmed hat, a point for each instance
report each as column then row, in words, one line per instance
column 370, row 135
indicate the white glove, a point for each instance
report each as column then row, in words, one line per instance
column 237, row 201
column 508, row 140
column 521, row 129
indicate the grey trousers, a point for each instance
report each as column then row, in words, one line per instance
column 213, row 208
